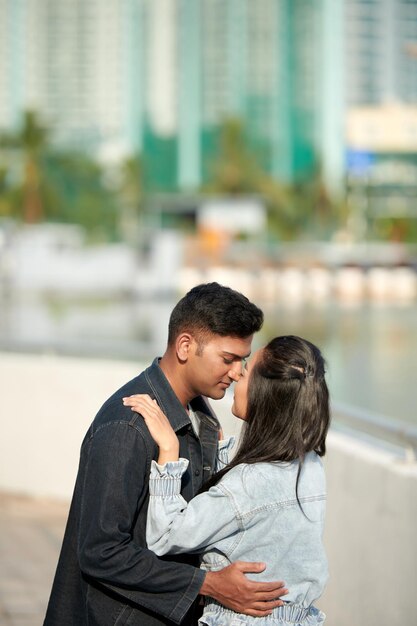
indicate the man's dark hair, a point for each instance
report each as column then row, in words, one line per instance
column 212, row 309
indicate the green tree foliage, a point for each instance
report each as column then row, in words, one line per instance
column 77, row 193
column 130, row 191
column 292, row 209
column 4, row 200
column 394, row 229
column 234, row 170
column 131, row 186
column 30, row 141
column 42, row 183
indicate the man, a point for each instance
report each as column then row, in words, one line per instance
column 105, row 574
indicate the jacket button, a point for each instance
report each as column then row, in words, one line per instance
column 197, row 472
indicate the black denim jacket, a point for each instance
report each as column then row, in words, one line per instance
column 105, row 574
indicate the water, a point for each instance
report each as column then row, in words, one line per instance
column 370, row 353
column 370, row 350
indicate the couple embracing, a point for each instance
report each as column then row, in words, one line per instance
column 167, row 525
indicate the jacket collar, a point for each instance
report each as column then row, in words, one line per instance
column 170, row 404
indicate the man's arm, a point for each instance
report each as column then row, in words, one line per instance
column 208, row 520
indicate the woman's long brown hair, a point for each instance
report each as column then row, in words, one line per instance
column 288, row 406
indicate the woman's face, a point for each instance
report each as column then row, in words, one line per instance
column 240, row 396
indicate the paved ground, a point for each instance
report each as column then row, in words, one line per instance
column 31, row 532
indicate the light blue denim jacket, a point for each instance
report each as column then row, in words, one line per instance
column 252, row 514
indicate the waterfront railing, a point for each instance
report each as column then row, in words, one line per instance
column 400, row 434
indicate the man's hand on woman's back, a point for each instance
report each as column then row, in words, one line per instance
column 231, row 588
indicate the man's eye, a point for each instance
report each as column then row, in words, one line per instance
column 227, row 361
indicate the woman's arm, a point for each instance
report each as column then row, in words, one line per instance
column 173, row 526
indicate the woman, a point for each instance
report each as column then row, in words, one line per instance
column 268, row 503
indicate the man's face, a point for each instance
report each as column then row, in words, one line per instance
column 212, row 367
column 240, row 396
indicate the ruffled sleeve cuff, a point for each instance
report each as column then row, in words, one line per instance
column 165, row 480
column 225, row 446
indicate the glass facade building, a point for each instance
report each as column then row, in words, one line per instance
column 159, row 77
column 381, row 51
column 71, row 61
column 259, row 62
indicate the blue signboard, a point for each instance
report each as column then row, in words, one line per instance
column 359, row 162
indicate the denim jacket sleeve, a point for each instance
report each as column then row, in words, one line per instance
column 173, row 526
column 115, row 486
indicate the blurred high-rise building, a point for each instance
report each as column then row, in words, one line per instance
column 262, row 62
column 71, row 61
column 381, row 51
column 160, row 76
column 381, row 114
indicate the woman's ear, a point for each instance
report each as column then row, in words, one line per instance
column 183, row 346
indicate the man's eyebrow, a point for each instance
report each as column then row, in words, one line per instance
column 236, row 356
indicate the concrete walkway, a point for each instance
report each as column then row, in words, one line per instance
column 31, row 532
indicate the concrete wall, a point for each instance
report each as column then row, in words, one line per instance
column 370, row 536
column 46, row 406
column 47, row 403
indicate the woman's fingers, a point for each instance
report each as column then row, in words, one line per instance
column 140, row 402
column 139, row 397
column 148, row 408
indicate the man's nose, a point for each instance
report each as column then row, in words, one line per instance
column 235, row 371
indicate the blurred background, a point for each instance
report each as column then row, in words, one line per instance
column 150, row 145
column 146, row 146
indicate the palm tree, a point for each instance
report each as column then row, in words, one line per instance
column 65, row 186
column 234, row 170
column 130, row 193
column 32, row 141
column 237, row 170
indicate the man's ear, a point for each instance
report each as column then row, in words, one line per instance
column 183, row 346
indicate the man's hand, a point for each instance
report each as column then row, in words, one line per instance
column 233, row 589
